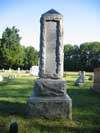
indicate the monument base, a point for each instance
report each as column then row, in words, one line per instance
column 49, row 100
column 50, row 107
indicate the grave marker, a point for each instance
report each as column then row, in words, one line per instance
column 1, row 78
column 34, row 71
column 96, row 84
column 49, row 98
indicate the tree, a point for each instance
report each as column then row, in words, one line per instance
column 31, row 57
column 71, row 57
column 86, row 57
column 11, row 51
column 90, row 55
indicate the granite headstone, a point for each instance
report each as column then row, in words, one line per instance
column 49, row 98
column 96, row 84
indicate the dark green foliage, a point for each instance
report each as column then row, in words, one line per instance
column 90, row 55
column 31, row 57
column 71, row 57
column 86, row 57
column 11, row 52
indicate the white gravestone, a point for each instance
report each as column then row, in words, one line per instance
column 10, row 71
column 18, row 70
column 34, row 70
column 1, row 78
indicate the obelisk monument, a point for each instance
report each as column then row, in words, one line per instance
column 49, row 98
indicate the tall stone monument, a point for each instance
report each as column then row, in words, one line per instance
column 49, row 98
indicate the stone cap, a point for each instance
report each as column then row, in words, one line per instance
column 51, row 11
column 51, row 15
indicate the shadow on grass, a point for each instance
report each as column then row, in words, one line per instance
column 54, row 129
column 16, row 93
column 86, row 105
column 10, row 108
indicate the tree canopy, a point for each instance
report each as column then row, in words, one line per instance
column 31, row 57
column 84, row 57
column 12, row 53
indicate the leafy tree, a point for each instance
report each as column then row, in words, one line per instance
column 90, row 55
column 11, row 51
column 71, row 57
column 31, row 57
column 86, row 57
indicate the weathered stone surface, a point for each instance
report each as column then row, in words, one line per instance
column 96, row 84
column 80, row 80
column 50, row 63
column 51, row 45
column 50, row 107
column 49, row 87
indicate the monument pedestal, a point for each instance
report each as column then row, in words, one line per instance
column 49, row 100
column 50, row 107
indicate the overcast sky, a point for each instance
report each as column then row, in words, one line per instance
column 81, row 19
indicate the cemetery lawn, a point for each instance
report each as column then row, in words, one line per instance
column 14, row 94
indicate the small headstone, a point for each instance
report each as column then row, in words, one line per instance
column 34, row 70
column 1, row 78
column 9, row 70
column 11, row 76
column 96, row 84
column 82, row 73
column 18, row 70
column 79, row 81
column 3, row 70
column 13, row 127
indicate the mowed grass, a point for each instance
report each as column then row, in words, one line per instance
column 14, row 94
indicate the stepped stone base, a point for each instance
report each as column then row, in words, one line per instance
column 49, row 87
column 49, row 100
column 50, row 107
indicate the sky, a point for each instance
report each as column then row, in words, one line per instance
column 81, row 19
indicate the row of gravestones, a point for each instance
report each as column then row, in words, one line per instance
column 33, row 71
column 95, row 78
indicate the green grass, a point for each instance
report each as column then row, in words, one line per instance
column 13, row 101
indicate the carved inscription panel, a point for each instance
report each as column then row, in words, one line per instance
column 51, row 39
